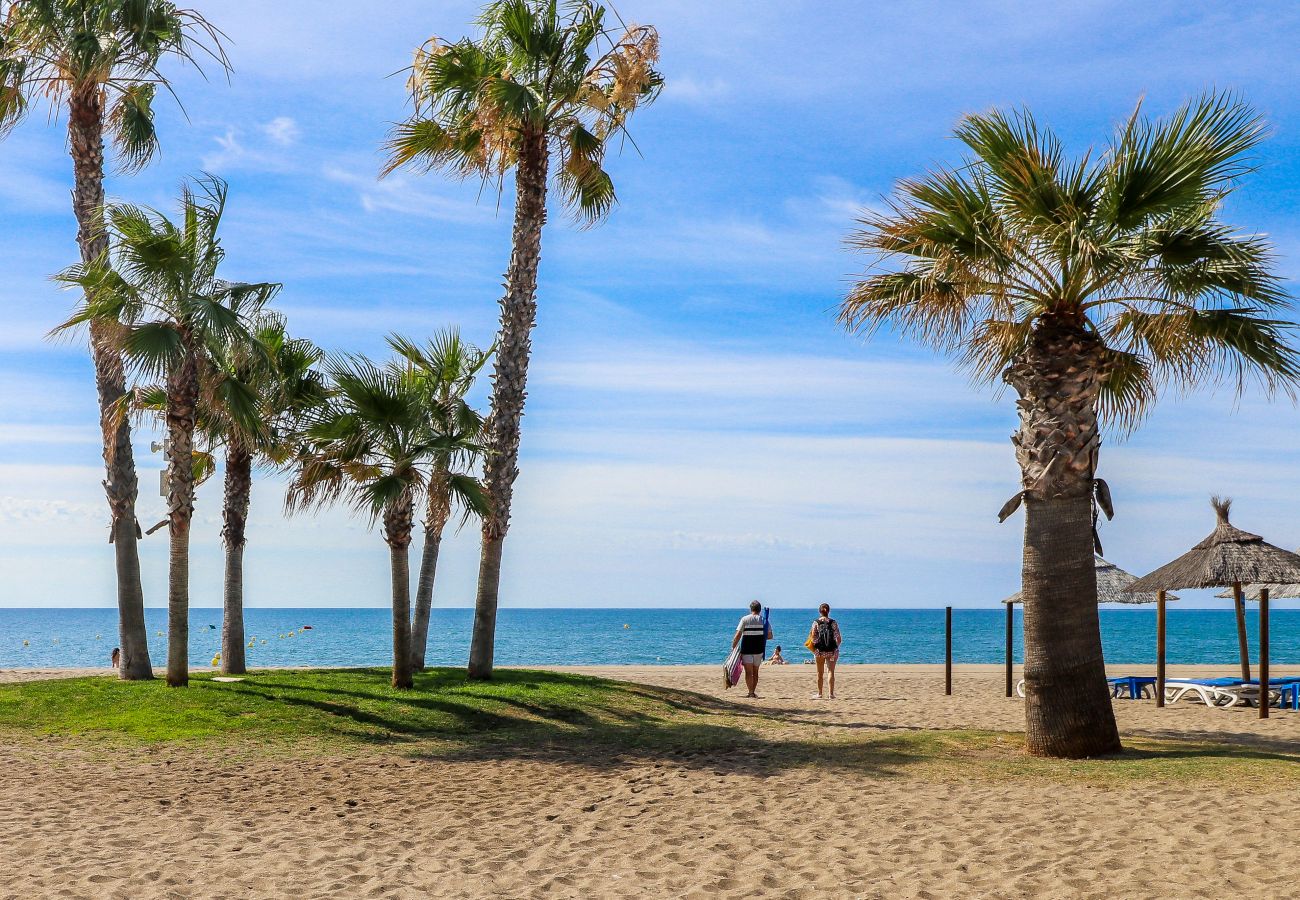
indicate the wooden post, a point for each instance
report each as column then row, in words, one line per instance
column 947, row 641
column 1160, row 648
column 1011, row 624
column 1243, row 648
column 1263, row 653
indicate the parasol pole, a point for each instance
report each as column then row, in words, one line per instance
column 1160, row 648
column 1011, row 621
column 1263, row 654
column 1242, row 647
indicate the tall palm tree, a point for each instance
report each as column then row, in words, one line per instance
column 280, row 371
column 157, row 296
column 543, row 83
column 100, row 59
column 446, row 368
column 370, row 444
column 1087, row 284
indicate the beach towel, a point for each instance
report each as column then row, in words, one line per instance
column 732, row 668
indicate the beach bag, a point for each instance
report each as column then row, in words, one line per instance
column 732, row 668
column 824, row 636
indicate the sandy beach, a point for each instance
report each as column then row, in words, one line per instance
column 786, row 815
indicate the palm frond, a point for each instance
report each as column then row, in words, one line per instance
column 131, row 124
column 1125, row 250
column 1160, row 167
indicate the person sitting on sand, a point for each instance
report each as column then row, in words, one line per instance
column 777, row 659
column 825, row 639
column 115, row 657
column 752, row 636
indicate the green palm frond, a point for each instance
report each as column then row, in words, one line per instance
column 1155, row 168
column 153, row 348
column 131, row 124
column 468, row 494
column 540, row 71
column 112, row 50
column 373, row 440
column 1126, row 245
column 160, row 291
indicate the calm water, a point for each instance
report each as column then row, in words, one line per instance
column 84, row 637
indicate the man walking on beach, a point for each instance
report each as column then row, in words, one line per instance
column 752, row 634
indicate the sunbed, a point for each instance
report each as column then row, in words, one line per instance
column 1130, row 687
column 1221, row 692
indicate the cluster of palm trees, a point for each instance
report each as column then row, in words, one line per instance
column 540, row 94
column 218, row 367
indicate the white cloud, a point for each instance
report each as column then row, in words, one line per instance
column 696, row 90
column 232, row 152
column 430, row 198
column 282, row 130
column 12, row 433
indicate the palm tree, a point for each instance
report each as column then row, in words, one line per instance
column 280, row 373
column 1088, row 284
column 369, row 443
column 446, row 368
column 160, row 301
column 542, row 81
column 101, row 59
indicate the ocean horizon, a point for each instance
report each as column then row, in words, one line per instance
column 77, row 637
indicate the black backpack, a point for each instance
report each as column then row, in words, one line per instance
column 824, row 636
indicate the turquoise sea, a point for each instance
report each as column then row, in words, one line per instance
column 355, row 637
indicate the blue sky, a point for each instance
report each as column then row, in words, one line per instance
column 699, row 431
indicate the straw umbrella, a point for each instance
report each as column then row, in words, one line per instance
column 1275, row 591
column 1229, row 557
column 1112, row 584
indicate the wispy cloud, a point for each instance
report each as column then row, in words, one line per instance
column 282, row 130
column 696, row 90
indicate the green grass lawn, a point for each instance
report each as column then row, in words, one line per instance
column 523, row 712
column 336, row 706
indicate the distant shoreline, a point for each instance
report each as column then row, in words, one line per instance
column 705, row 672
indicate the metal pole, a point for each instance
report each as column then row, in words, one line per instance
column 1263, row 653
column 1011, row 622
column 1160, row 648
column 947, row 641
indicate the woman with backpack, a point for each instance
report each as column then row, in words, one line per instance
column 824, row 640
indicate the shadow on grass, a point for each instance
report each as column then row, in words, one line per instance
column 528, row 714
column 449, row 718
column 1180, row 749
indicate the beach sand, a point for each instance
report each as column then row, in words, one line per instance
column 761, row 822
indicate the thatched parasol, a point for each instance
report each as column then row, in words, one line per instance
column 1229, row 557
column 1112, row 582
column 1275, row 591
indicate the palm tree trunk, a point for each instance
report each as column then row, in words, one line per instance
column 86, row 145
column 1068, row 711
column 234, row 513
column 509, row 380
column 399, row 522
column 182, row 401
column 435, row 520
